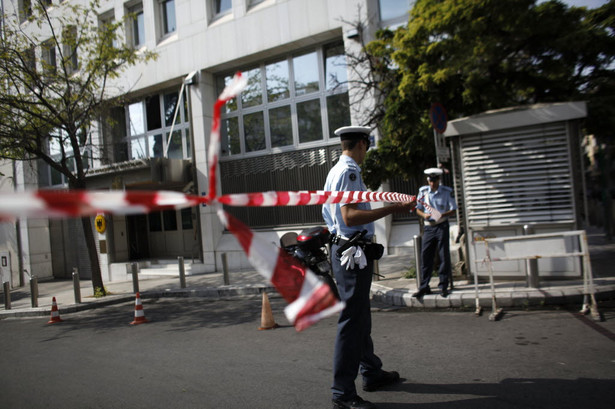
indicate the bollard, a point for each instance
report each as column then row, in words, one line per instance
column 531, row 264
column 7, row 295
column 34, row 291
column 418, row 246
column 182, row 272
column 76, row 286
column 225, row 269
column 134, row 269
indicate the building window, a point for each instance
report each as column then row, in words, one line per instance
column 137, row 25
column 70, row 59
column 48, row 54
column 253, row 3
column 149, row 128
column 25, row 10
column 57, row 150
column 221, row 7
column 394, row 12
column 105, row 24
column 167, row 16
column 288, row 103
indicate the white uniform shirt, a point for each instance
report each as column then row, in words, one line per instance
column 345, row 176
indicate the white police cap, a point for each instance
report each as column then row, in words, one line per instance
column 352, row 132
column 433, row 172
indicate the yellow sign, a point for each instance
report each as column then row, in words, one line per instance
column 101, row 223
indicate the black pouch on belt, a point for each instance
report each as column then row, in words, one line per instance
column 373, row 251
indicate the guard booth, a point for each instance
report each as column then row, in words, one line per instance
column 518, row 171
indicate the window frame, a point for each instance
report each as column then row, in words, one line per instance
column 108, row 18
column 182, row 127
column 236, row 112
column 49, row 57
column 163, row 17
column 70, row 53
column 215, row 14
column 395, row 21
column 133, row 28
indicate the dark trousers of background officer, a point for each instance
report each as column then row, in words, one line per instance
column 436, row 238
column 354, row 348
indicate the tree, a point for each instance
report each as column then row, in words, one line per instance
column 55, row 69
column 474, row 56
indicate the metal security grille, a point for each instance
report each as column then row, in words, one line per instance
column 518, row 176
column 297, row 170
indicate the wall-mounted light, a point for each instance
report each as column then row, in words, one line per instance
column 190, row 78
column 352, row 34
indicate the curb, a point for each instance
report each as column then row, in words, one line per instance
column 213, row 292
column 467, row 299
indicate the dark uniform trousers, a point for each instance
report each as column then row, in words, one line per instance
column 354, row 348
column 436, row 238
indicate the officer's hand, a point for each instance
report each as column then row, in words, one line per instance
column 406, row 206
column 427, row 216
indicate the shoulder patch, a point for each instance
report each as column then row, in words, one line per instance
column 352, row 177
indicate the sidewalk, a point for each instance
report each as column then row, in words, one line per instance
column 391, row 289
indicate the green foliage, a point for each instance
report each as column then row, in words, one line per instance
column 100, row 292
column 42, row 103
column 473, row 56
column 410, row 272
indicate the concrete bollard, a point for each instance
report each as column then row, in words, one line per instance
column 134, row 269
column 7, row 295
column 227, row 281
column 531, row 264
column 34, row 291
column 76, row 286
column 418, row 247
column 182, row 272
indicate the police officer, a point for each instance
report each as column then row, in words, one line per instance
column 354, row 349
column 436, row 232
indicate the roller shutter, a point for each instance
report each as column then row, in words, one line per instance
column 518, row 176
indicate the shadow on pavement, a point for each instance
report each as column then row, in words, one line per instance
column 512, row 393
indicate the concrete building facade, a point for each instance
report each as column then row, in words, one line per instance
column 278, row 135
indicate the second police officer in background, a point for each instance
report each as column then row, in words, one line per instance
column 435, row 203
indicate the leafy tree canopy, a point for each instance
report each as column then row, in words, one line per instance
column 474, row 56
column 56, row 65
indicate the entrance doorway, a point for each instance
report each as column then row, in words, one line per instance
column 138, row 240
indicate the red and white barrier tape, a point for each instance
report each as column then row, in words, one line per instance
column 77, row 203
column 233, row 89
column 305, row 197
column 309, row 298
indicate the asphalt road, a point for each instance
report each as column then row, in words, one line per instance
column 197, row 353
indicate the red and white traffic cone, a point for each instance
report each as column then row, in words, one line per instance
column 55, row 313
column 139, row 314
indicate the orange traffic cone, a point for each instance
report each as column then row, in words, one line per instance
column 267, row 321
column 139, row 314
column 55, row 313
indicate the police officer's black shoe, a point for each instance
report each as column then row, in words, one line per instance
column 354, row 403
column 421, row 292
column 385, row 379
column 444, row 292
